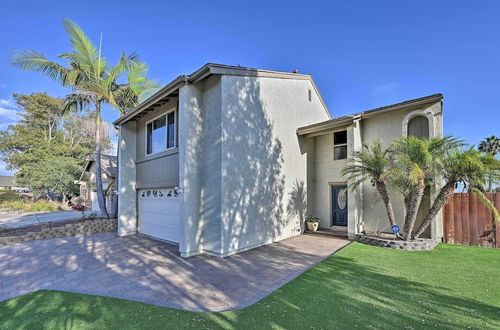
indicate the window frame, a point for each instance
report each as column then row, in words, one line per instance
column 344, row 144
column 165, row 114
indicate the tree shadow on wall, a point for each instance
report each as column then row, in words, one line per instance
column 252, row 173
column 297, row 205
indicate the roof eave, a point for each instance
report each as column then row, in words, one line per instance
column 163, row 92
column 333, row 123
column 218, row 69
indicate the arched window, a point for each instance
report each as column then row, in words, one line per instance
column 418, row 127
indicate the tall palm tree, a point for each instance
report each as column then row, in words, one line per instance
column 416, row 163
column 469, row 167
column 93, row 81
column 372, row 163
column 490, row 145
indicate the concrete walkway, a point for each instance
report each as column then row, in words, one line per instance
column 142, row 269
column 13, row 220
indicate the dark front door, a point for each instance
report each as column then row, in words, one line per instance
column 339, row 205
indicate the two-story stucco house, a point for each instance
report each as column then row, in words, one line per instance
column 230, row 158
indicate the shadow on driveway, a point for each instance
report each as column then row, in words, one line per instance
column 146, row 270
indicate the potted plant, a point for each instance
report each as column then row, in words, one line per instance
column 312, row 222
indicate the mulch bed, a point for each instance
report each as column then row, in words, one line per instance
column 37, row 228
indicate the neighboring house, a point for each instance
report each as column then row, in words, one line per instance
column 9, row 182
column 230, row 158
column 87, row 182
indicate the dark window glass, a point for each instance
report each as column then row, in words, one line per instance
column 340, row 137
column 171, row 130
column 419, row 127
column 157, row 135
column 150, row 138
column 340, row 152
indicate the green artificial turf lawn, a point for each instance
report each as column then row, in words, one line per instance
column 361, row 286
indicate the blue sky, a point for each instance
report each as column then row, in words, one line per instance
column 362, row 54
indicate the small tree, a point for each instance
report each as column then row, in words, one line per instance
column 53, row 175
column 469, row 167
column 416, row 163
column 372, row 163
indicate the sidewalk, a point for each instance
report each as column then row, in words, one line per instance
column 22, row 220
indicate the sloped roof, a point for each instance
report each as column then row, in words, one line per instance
column 171, row 89
column 346, row 120
column 109, row 165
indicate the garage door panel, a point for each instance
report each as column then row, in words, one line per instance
column 159, row 213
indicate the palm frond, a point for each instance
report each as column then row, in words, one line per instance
column 488, row 203
column 30, row 60
column 84, row 50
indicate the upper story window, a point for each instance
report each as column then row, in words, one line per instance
column 160, row 133
column 340, row 145
column 418, row 127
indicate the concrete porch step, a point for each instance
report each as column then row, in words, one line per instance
column 328, row 232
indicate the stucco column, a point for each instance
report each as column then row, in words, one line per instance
column 354, row 196
column 190, row 142
column 310, row 185
column 127, row 201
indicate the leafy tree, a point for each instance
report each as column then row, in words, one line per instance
column 44, row 133
column 53, row 175
column 94, row 82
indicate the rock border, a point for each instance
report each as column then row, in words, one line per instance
column 421, row 245
column 65, row 230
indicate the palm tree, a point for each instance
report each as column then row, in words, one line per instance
column 371, row 163
column 416, row 163
column 93, row 82
column 469, row 167
column 490, row 145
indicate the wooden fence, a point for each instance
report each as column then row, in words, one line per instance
column 468, row 221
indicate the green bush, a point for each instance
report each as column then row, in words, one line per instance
column 43, row 206
column 15, row 205
column 9, row 196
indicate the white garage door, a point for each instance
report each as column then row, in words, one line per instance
column 159, row 213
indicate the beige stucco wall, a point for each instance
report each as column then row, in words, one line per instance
column 372, row 215
column 326, row 173
column 263, row 160
column 127, row 199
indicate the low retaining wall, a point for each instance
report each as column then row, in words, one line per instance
column 69, row 229
column 420, row 245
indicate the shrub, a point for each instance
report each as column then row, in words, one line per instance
column 44, row 206
column 9, row 195
column 15, row 205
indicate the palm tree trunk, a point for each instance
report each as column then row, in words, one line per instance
column 442, row 198
column 412, row 208
column 382, row 190
column 114, row 192
column 98, row 170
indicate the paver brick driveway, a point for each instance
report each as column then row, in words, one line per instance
column 142, row 269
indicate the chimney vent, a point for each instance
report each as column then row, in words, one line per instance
column 295, row 71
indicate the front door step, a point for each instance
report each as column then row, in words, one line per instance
column 328, row 232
